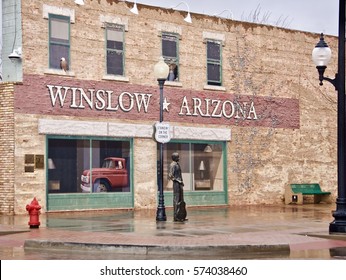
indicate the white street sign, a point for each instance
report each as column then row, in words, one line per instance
column 162, row 134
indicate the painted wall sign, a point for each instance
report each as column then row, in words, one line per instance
column 78, row 98
column 102, row 99
column 54, row 95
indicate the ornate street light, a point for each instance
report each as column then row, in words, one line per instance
column 321, row 56
column 161, row 70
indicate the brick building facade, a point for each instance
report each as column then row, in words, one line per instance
column 247, row 120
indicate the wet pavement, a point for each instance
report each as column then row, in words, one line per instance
column 241, row 232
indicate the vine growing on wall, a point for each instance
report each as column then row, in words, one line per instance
column 251, row 142
column 330, row 97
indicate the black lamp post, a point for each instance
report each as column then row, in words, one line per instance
column 321, row 56
column 161, row 70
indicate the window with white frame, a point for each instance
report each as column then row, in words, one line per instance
column 170, row 50
column 115, row 49
column 59, row 40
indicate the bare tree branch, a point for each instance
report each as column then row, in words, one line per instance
column 260, row 17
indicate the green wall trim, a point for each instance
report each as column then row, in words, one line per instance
column 84, row 201
column 199, row 198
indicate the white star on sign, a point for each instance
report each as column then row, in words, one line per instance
column 165, row 105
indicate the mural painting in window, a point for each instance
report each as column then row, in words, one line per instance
column 170, row 54
column 115, row 49
column 59, row 41
column 201, row 165
column 88, row 166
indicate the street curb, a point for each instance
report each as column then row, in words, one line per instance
column 199, row 250
column 13, row 231
column 327, row 235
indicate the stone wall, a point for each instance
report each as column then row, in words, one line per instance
column 28, row 184
column 145, row 158
column 7, row 148
column 257, row 59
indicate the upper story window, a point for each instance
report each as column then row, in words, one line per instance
column 115, row 49
column 59, row 41
column 214, row 73
column 170, row 50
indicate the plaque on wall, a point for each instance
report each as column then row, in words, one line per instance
column 39, row 161
column 29, row 159
column 29, row 168
column 29, row 163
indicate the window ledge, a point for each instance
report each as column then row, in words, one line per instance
column 115, row 78
column 218, row 88
column 59, row 72
column 173, row 84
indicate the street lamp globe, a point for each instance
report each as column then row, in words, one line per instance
column 161, row 69
column 321, row 54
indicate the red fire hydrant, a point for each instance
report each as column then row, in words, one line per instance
column 34, row 211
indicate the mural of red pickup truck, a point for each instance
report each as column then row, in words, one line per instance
column 112, row 176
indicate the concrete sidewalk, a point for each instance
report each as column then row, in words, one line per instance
column 247, row 232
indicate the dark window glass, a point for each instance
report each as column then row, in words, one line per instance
column 114, row 63
column 169, row 46
column 214, row 63
column 213, row 51
column 214, row 74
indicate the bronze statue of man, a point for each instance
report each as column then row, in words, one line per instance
column 178, row 192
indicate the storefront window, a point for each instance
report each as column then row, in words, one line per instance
column 88, row 165
column 201, row 165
